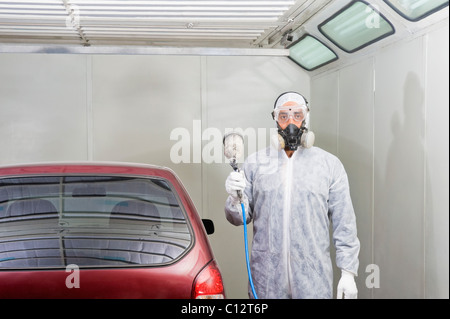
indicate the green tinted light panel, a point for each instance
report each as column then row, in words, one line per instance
column 310, row 53
column 415, row 10
column 356, row 26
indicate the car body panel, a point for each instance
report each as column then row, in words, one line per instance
column 174, row 280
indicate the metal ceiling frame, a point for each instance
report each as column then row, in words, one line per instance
column 140, row 50
column 159, row 23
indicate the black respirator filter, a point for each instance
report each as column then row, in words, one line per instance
column 292, row 137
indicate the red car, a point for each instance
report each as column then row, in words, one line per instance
column 92, row 230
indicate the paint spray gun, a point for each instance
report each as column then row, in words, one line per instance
column 233, row 150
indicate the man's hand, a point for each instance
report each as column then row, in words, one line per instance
column 346, row 288
column 234, row 183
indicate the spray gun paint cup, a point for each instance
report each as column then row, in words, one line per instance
column 233, row 143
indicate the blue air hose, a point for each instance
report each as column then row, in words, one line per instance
column 246, row 252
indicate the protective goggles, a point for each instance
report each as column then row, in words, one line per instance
column 282, row 116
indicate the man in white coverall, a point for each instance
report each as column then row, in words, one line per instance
column 292, row 191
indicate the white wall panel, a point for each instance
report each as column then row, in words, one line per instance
column 399, row 176
column 324, row 111
column 437, row 166
column 42, row 108
column 355, row 150
column 404, row 126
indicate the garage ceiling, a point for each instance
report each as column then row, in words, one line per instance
column 170, row 23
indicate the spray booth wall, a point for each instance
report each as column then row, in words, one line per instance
column 393, row 141
column 126, row 108
column 387, row 119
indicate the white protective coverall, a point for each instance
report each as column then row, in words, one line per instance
column 291, row 202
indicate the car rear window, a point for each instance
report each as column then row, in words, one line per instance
column 90, row 221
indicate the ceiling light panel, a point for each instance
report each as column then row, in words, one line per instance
column 356, row 26
column 310, row 53
column 415, row 10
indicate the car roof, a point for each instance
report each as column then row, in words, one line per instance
column 90, row 167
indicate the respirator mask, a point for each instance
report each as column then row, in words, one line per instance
column 291, row 113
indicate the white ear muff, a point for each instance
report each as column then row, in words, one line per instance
column 281, row 142
column 277, row 141
column 308, row 139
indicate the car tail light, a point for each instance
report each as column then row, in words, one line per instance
column 208, row 284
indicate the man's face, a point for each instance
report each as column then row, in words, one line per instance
column 290, row 113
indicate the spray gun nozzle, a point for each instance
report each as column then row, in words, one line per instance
column 234, row 165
